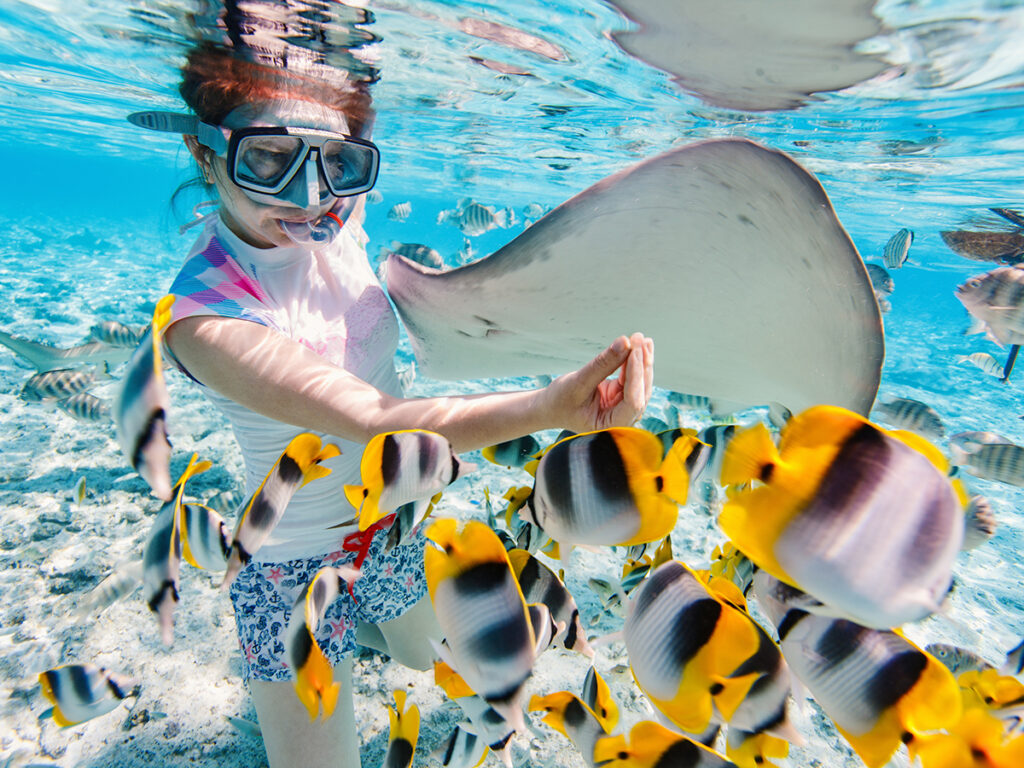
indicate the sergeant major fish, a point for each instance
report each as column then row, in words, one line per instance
column 400, row 211
column 896, row 250
column 409, row 465
column 881, row 281
column 56, row 384
column 80, row 692
column 85, row 407
column 1000, row 462
column 117, row 334
column 984, row 362
column 297, row 466
column 610, row 487
column 421, row 254
column 474, row 219
column 910, row 414
column 314, row 676
column 822, row 517
column 996, row 300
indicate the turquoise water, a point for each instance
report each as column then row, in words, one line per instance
column 930, row 145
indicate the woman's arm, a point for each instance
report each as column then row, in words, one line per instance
column 280, row 378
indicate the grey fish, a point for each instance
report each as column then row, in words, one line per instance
column 400, row 211
column 374, row 196
column 225, row 502
column 85, row 407
column 956, row 659
column 46, row 357
column 474, row 219
column 120, row 582
column 689, row 402
column 983, row 361
column 896, row 250
column 421, row 254
column 1001, row 462
column 117, row 334
column 979, row 522
column 968, row 442
column 999, row 247
column 245, row 727
column 912, row 415
column 56, row 384
column 881, row 280
column 996, row 300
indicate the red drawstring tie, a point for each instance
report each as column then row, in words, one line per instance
column 360, row 542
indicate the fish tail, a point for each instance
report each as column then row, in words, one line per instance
column 751, row 750
column 307, row 695
column 329, row 697
column 751, row 455
column 488, row 453
column 405, row 723
column 675, row 478
column 314, row 472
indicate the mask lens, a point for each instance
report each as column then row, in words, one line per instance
column 268, row 161
column 349, row 167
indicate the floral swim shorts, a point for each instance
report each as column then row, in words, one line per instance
column 263, row 595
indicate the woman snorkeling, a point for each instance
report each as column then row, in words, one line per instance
column 280, row 318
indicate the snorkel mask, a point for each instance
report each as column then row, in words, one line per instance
column 285, row 166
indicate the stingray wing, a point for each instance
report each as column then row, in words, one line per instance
column 727, row 254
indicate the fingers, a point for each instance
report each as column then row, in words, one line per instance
column 606, row 363
column 634, row 384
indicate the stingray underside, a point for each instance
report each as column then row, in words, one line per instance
column 727, row 254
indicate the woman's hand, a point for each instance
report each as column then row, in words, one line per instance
column 587, row 399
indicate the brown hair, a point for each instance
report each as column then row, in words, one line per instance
column 216, row 81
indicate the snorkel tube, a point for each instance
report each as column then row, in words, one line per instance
column 315, row 234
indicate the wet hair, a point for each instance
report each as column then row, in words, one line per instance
column 216, row 81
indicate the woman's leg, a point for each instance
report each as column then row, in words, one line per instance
column 407, row 636
column 291, row 740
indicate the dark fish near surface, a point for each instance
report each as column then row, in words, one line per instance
column 1010, row 215
column 904, row 413
column 85, row 407
column 896, row 250
column 996, row 300
column 999, row 247
column 56, row 385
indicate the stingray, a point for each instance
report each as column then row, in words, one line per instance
column 726, row 253
column 754, row 55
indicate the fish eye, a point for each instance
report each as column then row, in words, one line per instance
column 974, row 282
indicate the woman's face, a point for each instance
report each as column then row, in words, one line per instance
column 257, row 222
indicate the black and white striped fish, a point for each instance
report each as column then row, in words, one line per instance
column 141, row 406
column 968, row 442
column 56, row 384
column 876, row 686
column 474, row 219
column 85, row 407
column 984, row 362
column 80, row 692
column 298, row 465
column 904, row 413
column 205, row 537
column 489, row 639
column 400, row 211
column 117, row 334
column 314, row 676
column 539, row 584
column 1000, row 462
column 421, row 254
column 896, row 250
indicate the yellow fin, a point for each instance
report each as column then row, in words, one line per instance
column 675, row 478
column 754, row 520
column 405, row 723
column 488, row 453
column 757, row 750
column 933, row 702
column 518, row 558
column 663, row 553
column 531, row 467
column 748, row 455
column 732, row 692
column 450, row 681
column 555, row 705
column 355, row 495
column 315, row 472
column 726, row 590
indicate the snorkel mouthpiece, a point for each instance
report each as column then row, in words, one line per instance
column 314, row 234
